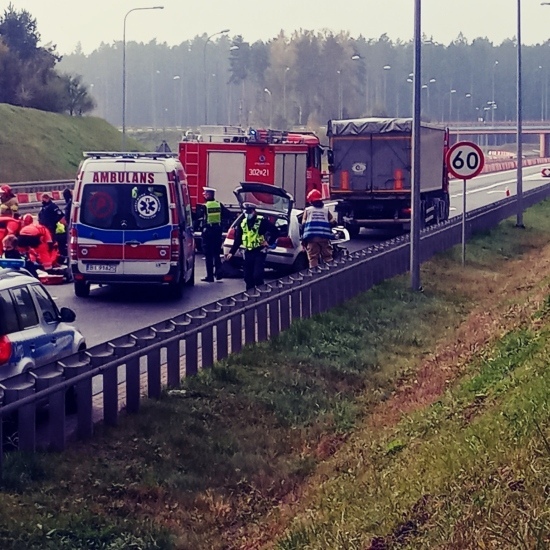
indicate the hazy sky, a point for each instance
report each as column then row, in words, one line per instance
column 90, row 22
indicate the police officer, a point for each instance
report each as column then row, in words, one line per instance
column 255, row 233
column 212, row 235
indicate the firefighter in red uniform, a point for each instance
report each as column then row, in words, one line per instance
column 36, row 240
column 8, row 226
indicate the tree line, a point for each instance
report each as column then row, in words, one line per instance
column 298, row 79
column 28, row 73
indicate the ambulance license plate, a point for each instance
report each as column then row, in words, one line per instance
column 101, row 268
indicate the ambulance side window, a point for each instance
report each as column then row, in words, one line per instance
column 179, row 197
column 187, row 205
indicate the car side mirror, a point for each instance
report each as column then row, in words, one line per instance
column 67, row 315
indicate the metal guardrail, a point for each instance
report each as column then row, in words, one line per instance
column 183, row 345
column 36, row 186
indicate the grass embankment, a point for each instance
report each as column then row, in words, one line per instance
column 36, row 145
column 399, row 420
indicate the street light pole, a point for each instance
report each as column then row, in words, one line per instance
column 267, row 91
column 284, row 93
column 451, row 92
column 519, row 154
column 340, row 101
column 386, row 69
column 225, row 31
column 415, row 181
column 177, row 112
column 124, row 69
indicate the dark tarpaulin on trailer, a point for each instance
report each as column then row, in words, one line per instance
column 362, row 126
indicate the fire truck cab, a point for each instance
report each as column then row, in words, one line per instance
column 224, row 156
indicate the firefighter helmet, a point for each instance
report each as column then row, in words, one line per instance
column 5, row 189
column 27, row 219
column 314, row 195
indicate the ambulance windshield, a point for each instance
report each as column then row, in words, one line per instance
column 127, row 206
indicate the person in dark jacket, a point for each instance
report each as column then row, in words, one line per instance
column 255, row 233
column 68, row 196
column 49, row 214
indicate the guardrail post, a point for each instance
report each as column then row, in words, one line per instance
column 143, row 338
column 133, row 385
column 81, row 393
column 192, row 343
column 236, row 324
column 17, row 388
column 222, row 332
column 207, row 336
column 207, row 346
column 47, row 377
column 173, row 375
column 250, row 319
column 261, row 315
column 284, row 307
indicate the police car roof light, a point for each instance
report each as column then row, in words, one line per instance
column 8, row 263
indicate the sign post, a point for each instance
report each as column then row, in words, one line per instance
column 465, row 161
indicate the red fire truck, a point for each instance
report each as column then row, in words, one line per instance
column 224, row 156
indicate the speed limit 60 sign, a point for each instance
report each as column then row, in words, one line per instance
column 465, row 160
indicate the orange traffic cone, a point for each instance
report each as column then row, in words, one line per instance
column 507, row 191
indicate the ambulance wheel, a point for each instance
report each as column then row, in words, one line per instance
column 175, row 289
column 81, row 289
column 191, row 280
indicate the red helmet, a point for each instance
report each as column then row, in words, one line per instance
column 27, row 219
column 314, row 195
column 5, row 189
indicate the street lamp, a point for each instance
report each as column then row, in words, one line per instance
column 124, row 70
column 451, row 92
column 386, row 69
column 340, row 93
column 177, row 79
column 427, row 88
column 267, row 91
column 225, row 31
column 284, row 92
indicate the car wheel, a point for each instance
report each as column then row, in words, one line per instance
column 81, row 289
column 300, row 263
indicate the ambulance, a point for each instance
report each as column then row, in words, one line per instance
column 131, row 222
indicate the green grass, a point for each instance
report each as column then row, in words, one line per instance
column 213, row 466
column 36, row 145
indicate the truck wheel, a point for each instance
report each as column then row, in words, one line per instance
column 81, row 289
column 353, row 230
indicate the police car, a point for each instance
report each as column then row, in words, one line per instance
column 33, row 331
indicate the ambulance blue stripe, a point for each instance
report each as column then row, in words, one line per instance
column 110, row 236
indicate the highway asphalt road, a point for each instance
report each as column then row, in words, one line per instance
column 110, row 312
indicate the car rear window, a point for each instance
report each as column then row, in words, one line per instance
column 125, row 206
column 8, row 316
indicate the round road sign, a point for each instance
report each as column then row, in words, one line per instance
column 465, row 160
